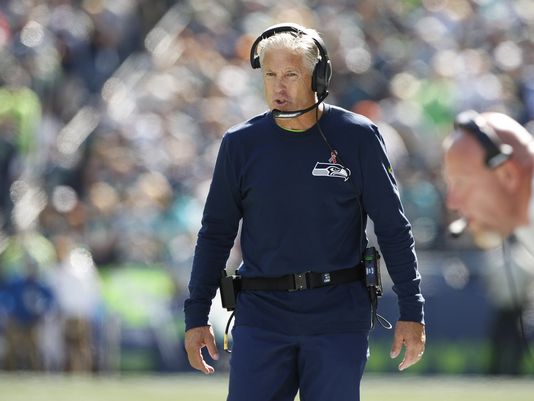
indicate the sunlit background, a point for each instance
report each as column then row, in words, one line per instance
column 111, row 114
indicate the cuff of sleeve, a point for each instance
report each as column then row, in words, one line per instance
column 413, row 311
column 196, row 314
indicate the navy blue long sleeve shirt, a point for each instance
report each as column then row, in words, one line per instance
column 299, row 213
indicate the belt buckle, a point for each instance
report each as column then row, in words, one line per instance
column 301, row 281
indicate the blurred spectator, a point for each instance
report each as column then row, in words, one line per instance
column 28, row 300
column 75, row 283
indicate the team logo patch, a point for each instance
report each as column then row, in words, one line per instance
column 331, row 170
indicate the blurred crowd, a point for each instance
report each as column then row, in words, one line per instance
column 111, row 112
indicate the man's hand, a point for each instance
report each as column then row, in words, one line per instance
column 196, row 339
column 412, row 336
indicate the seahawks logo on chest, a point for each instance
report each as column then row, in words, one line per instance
column 334, row 170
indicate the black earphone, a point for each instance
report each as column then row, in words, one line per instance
column 496, row 151
column 322, row 73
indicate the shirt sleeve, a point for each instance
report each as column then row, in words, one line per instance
column 382, row 203
column 220, row 224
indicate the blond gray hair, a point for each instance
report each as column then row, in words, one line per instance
column 302, row 44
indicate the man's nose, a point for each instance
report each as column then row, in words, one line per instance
column 279, row 84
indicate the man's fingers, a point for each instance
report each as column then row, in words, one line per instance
column 412, row 336
column 197, row 361
column 194, row 356
column 195, row 340
column 212, row 348
column 207, row 369
column 396, row 347
column 411, row 357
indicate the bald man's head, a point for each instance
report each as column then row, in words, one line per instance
column 490, row 197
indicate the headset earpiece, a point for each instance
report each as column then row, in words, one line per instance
column 473, row 123
column 322, row 72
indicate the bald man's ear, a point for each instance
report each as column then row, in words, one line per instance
column 509, row 175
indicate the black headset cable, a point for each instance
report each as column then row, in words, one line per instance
column 375, row 316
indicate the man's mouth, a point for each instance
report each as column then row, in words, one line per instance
column 280, row 102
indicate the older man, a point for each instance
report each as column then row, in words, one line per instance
column 302, row 177
column 489, row 170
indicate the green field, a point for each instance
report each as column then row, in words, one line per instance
column 193, row 387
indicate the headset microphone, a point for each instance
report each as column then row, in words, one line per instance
column 457, row 227
column 295, row 113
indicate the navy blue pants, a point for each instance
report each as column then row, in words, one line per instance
column 267, row 366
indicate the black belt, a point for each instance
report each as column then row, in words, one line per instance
column 302, row 281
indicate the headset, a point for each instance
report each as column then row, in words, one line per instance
column 322, row 72
column 473, row 123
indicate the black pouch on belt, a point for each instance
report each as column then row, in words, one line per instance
column 229, row 287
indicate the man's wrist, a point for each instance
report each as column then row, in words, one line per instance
column 191, row 323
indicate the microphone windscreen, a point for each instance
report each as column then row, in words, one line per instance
column 457, row 227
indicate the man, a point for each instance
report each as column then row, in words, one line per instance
column 489, row 170
column 303, row 192
column 488, row 167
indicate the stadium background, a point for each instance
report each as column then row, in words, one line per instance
column 111, row 113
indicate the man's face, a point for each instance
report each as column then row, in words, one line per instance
column 474, row 190
column 287, row 83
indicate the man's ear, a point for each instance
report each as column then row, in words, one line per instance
column 509, row 175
